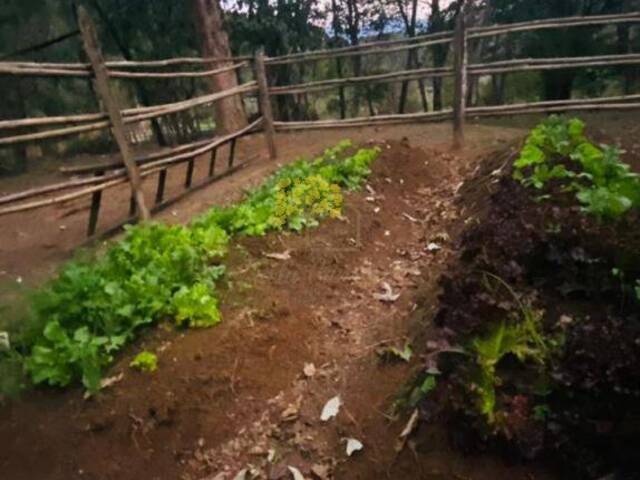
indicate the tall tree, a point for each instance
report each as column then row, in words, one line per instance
column 441, row 19
column 409, row 13
column 230, row 114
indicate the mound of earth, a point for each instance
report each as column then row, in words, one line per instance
column 518, row 258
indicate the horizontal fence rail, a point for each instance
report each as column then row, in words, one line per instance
column 389, row 46
column 553, row 23
column 506, row 66
column 31, row 69
column 379, row 78
column 130, row 116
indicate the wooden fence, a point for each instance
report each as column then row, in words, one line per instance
column 98, row 178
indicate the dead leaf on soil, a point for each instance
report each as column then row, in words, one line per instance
column 242, row 474
column 408, row 430
column 388, row 296
column 321, row 472
column 309, row 370
column 296, row 474
column 286, row 255
column 433, row 247
column 410, row 218
column 106, row 383
column 395, row 353
column 292, row 412
column 331, row 408
column 353, row 445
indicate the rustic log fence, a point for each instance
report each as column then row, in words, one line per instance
column 462, row 72
column 132, row 169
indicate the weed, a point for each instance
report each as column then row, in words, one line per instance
column 145, row 362
column 521, row 337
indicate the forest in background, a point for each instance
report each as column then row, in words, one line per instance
column 41, row 31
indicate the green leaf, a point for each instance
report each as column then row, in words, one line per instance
column 145, row 362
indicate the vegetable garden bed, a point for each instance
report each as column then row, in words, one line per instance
column 539, row 321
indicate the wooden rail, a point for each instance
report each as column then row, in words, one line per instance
column 130, row 116
column 66, row 70
column 622, row 102
column 350, row 81
column 554, row 23
column 116, row 178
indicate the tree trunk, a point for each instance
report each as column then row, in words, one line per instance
column 497, row 88
column 230, row 114
column 558, row 84
column 440, row 52
column 629, row 72
column 437, row 94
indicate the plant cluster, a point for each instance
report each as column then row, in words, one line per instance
column 94, row 307
column 145, row 362
column 539, row 315
column 558, row 150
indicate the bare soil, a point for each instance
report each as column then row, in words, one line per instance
column 237, row 396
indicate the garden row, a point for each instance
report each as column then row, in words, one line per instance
column 540, row 316
column 95, row 306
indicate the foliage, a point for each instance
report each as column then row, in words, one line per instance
column 297, row 195
column 420, row 392
column 520, row 336
column 557, row 149
column 196, row 306
column 522, row 339
column 145, row 362
column 95, row 306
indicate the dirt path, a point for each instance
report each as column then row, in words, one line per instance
column 239, row 396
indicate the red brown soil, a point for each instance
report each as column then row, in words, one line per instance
column 216, row 403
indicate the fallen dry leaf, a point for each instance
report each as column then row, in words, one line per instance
column 388, row 295
column 320, row 471
column 309, row 370
column 408, row 429
column 242, row 474
column 353, row 445
column 286, row 255
column 433, row 247
column 331, row 408
column 297, row 475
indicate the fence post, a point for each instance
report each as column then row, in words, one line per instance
column 461, row 57
column 265, row 104
column 94, row 53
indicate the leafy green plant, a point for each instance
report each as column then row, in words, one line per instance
column 196, row 306
column 300, row 203
column 557, row 149
column 521, row 336
column 145, row 362
column 422, row 390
